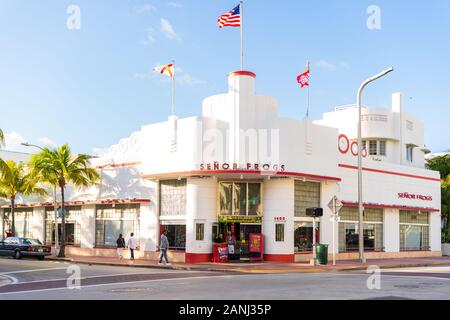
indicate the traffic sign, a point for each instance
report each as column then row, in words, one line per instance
column 335, row 205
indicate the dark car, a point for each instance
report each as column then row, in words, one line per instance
column 24, row 247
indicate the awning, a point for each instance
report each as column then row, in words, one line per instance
column 237, row 174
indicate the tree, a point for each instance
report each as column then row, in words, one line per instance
column 442, row 164
column 2, row 137
column 15, row 180
column 59, row 166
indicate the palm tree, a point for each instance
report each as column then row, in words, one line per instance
column 2, row 137
column 59, row 166
column 442, row 164
column 14, row 180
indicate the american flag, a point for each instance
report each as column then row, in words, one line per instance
column 231, row 19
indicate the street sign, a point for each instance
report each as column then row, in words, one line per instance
column 335, row 205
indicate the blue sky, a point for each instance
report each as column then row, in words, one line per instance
column 94, row 86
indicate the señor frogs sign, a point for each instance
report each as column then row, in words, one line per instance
column 217, row 166
column 414, row 196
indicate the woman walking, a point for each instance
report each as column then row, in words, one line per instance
column 120, row 246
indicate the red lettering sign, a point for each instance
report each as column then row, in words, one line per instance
column 414, row 196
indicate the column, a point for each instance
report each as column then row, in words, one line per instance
column 279, row 202
column 435, row 231
column 201, row 194
column 391, row 230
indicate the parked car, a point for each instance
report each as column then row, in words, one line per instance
column 24, row 247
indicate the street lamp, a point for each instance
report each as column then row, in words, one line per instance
column 26, row 144
column 360, row 170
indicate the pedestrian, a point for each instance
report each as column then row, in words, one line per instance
column 164, row 246
column 120, row 245
column 132, row 245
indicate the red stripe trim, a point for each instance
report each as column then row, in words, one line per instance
column 346, row 166
column 288, row 258
column 385, row 206
column 80, row 203
column 241, row 73
column 198, row 257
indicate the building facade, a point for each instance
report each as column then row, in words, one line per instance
column 240, row 169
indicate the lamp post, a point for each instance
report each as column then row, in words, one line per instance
column 360, row 170
column 26, row 144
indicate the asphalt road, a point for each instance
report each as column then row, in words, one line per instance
column 29, row 279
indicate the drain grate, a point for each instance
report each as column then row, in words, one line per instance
column 407, row 286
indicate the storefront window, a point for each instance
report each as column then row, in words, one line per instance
column 226, row 196
column 176, row 234
column 254, row 199
column 349, row 229
column 111, row 221
column 72, row 224
column 240, row 199
column 303, row 236
column 414, row 231
column 172, row 197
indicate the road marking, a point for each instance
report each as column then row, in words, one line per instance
column 92, row 277
column 12, row 279
column 114, row 284
column 28, row 271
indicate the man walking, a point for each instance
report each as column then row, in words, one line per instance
column 164, row 246
column 131, row 245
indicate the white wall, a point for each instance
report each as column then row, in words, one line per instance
column 391, row 231
column 435, row 231
column 37, row 224
column 87, row 224
column 201, row 206
column 279, row 201
column 149, row 224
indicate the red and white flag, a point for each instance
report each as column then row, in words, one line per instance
column 303, row 78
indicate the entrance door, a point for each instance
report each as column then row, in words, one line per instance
column 70, row 233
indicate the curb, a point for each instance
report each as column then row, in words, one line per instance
column 249, row 271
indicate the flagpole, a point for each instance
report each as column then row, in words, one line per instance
column 173, row 89
column 307, row 92
column 242, row 33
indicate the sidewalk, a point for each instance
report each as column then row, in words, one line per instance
column 262, row 267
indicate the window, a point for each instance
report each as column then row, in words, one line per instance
column 409, row 153
column 200, row 231
column 303, row 236
column 240, row 199
column 307, row 195
column 73, row 227
column 382, row 151
column 349, row 229
column 111, row 221
column 176, row 234
column 414, row 231
column 279, row 232
column 375, row 147
column 172, row 197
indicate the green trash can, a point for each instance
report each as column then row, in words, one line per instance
column 322, row 254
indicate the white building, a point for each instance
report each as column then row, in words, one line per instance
column 241, row 168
